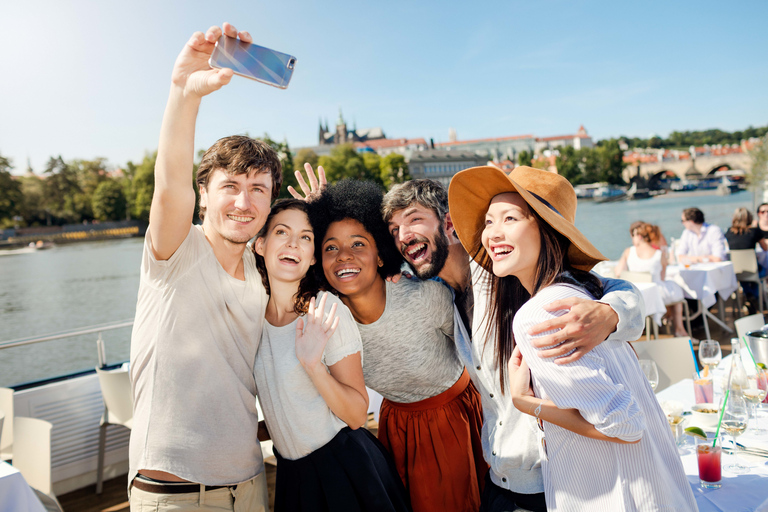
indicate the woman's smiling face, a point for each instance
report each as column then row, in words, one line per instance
column 350, row 257
column 288, row 247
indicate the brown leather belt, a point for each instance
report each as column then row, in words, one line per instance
column 145, row 486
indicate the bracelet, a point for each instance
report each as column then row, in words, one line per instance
column 538, row 410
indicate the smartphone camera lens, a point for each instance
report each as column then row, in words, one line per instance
column 291, row 62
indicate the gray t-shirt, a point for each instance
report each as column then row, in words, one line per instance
column 297, row 416
column 409, row 351
column 193, row 347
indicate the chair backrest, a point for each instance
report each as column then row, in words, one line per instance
column 636, row 277
column 749, row 323
column 116, row 391
column 745, row 264
column 672, row 356
column 32, row 452
column 6, row 437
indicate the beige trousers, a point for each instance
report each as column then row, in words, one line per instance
column 250, row 496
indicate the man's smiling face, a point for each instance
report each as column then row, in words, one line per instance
column 421, row 238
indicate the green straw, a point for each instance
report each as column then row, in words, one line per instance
column 695, row 366
column 749, row 351
column 722, row 410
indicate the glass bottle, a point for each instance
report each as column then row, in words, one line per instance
column 737, row 378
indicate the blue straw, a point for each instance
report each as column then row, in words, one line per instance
column 696, row 366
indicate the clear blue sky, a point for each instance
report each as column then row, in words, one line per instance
column 86, row 79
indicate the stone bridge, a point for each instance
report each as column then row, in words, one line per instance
column 700, row 167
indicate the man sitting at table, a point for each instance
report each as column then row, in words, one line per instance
column 700, row 242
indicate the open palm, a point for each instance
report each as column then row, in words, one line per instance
column 311, row 341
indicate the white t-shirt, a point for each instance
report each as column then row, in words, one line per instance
column 297, row 416
column 193, row 345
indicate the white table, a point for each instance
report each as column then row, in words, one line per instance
column 739, row 492
column 15, row 494
column 654, row 302
column 701, row 281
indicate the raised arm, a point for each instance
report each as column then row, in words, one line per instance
column 173, row 203
column 618, row 316
column 342, row 386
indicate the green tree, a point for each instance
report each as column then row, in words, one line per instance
column 11, row 196
column 610, row 162
column 345, row 162
column 524, row 158
column 758, row 172
column 306, row 155
column 142, row 186
column 61, row 191
column 394, row 169
column 90, row 174
column 32, row 209
column 567, row 164
column 108, row 201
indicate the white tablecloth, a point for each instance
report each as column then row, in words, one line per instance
column 15, row 494
column 654, row 303
column 739, row 492
column 702, row 280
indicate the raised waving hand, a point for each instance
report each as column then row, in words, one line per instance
column 312, row 339
column 316, row 183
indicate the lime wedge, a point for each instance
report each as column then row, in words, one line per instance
column 762, row 366
column 696, row 432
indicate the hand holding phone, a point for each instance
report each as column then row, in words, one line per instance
column 253, row 61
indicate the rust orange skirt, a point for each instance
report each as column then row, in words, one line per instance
column 437, row 447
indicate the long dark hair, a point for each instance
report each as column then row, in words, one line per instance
column 308, row 286
column 508, row 295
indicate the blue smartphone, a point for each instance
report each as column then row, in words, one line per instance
column 253, row 61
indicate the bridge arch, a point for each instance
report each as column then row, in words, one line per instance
column 662, row 179
column 719, row 167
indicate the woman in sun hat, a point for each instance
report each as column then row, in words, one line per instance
column 606, row 443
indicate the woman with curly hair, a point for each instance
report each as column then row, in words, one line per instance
column 309, row 377
column 644, row 257
column 431, row 417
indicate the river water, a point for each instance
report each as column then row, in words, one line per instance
column 80, row 285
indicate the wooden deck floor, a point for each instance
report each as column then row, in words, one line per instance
column 115, row 499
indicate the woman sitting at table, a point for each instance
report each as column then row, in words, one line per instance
column 742, row 235
column 643, row 257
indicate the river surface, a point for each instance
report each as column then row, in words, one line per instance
column 80, row 285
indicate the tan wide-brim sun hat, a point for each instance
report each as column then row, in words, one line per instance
column 548, row 193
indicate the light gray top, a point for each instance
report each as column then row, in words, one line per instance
column 409, row 351
column 510, row 438
column 193, row 345
column 297, row 416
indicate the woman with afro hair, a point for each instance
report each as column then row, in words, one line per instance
column 431, row 417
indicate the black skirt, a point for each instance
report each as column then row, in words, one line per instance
column 352, row 472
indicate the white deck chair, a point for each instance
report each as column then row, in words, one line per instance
column 32, row 457
column 748, row 324
column 672, row 356
column 118, row 410
column 745, row 266
column 6, row 438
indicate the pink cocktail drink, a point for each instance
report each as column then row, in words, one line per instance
column 763, row 384
column 710, row 472
column 703, row 390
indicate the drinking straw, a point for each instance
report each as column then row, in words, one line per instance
column 722, row 410
column 749, row 351
column 695, row 365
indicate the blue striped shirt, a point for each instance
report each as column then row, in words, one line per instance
column 609, row 389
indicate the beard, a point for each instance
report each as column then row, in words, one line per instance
column 439, row 255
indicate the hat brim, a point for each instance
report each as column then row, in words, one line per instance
column 469, row 196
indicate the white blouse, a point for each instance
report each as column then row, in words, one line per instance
column 609, row 389
column 297, row 416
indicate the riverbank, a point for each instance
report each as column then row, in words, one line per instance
column 14, row 239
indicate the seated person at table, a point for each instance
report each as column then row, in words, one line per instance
column 761, row 223
column 643, row 257
column 700, row 242
column 742, row 235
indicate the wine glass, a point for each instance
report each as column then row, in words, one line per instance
column 651, row 372
column 709, row 353
column 735, row 419
column 755, row 392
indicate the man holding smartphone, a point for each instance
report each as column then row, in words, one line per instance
column 200, row 310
